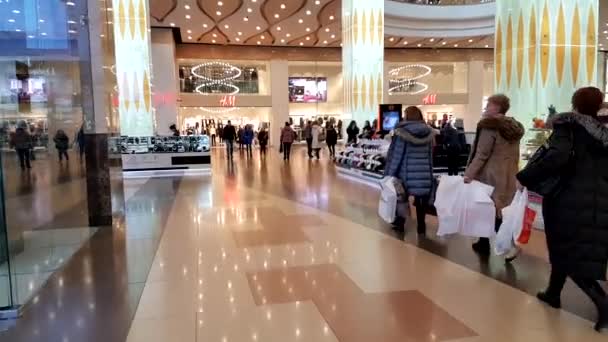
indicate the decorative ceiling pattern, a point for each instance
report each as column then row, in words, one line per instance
column 297, row 23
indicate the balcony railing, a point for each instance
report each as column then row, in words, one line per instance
column 445, row 2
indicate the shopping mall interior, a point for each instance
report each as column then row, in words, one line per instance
column 125, row 218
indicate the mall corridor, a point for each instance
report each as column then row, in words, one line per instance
column 266, row 251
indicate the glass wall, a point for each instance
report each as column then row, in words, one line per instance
column 44, row 56
column 224, row 77
column 427, row 77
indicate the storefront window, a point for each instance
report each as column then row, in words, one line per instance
column 223, row 77
column 45, row 51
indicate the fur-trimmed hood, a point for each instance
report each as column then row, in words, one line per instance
column 415, row 132
column 509, row 128
column 595, row 128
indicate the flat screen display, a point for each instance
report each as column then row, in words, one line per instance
column 307, row 89
column 390, row 120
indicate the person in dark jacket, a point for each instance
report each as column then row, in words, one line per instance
column 368, row 131
column 454, row 144
column 62, row 143
column 352, row 132
column 248, row 136
column 174, row 130
column 410, row 159
column 21, row 141
column 263, row 140
column 229, row 137
column 308, row 137
column 81, row 142
column 240, row 137
column 288, row 136
column 576, row 216
column 331, row 139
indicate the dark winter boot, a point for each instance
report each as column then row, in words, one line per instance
column 482, row 247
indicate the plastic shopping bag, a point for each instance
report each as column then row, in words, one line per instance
column 391, row 192
column 516, row 225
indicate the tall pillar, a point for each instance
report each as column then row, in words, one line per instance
column 545, row 49
column 165, row 82
column 363, row 57
column 279, row 79
column 133, row 69
column 475, row 75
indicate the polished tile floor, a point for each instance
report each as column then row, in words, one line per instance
column 267, row 251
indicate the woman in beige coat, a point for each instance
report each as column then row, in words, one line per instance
column 495, row 157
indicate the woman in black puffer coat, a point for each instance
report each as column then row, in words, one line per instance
column 576, row 216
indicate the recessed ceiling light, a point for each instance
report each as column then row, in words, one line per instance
column 218, row 13
column 240, row 33
column 188, row 16
column 308, row 29
column 249, row 10
column 444, row 43
column 31, row 36
column 605, row 32
column 16, row 11
column 327, row 29
column 276, row 15
column 340, row 44
column 258, row 28
column 245, row 19
column 172, row 24
column 432, row 40
column 226, row 26
column 288, row 35
column 405, row 43
column 69, row 21
column 317, row 2
column 187, row 7
column 214, row 35
column 325, row 42
column 308, row 12
column 331, row 17
column 42, row 20
column 190, row 37
column 278, row 28
column 455, row 45
column 487, row 46
column 262, row 37
column 205, row 25
column 300, row 20
column 307, row 38
column 283, row 6
column 11, row 20
column 282, row 40
column 259, row 42
column 189, row 31
column 254, row 0
column 333, row 36
column 70, row 31
column 419, row 45
column 392, row 39
column 219, row 3
column 237, row 39
column 43, row 34
column 69, row 3
column 213, row 41
column 301, row 43
column 470, row 40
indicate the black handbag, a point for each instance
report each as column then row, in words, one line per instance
column 552, row 184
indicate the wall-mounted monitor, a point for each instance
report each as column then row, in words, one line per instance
column 307, row 89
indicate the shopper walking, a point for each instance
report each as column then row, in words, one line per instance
column 248, row 137
column 263, row 140
column 288, row 136
column 454, row 144
column 21, row 141
column 80, row 140
column 229, row 137
column 576, row 215
column 352, row 132
column 331, row 138
column 62, row 143
column 308, row 137
column 212, row 133
column 494, row 158
column 240, row 137
column 410, row 159
column 318, row 137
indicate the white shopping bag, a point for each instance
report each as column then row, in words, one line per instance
column 512, row 223
column 465, row 209
column 387, row 206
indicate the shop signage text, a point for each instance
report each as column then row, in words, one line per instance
column 228, row 101
column 430, row 99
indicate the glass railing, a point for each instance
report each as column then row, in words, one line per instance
column 445, row 2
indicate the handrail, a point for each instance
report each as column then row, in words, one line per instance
column 445, row 2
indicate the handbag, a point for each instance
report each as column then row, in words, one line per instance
column 552, row 184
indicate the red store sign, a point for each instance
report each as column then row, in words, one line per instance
column 430, row 99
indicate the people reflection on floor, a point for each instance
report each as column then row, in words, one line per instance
column 494, row 158
column 288, row 136
column 248, row 136
column 352, row 132
column 331, row 138
column 410, row 160
column 576, row 216
column 318, row 137
column 21, row 141
column 80, row 142
column 263, row 141
column 62, row 143
column 229, row 137
column 308, row 137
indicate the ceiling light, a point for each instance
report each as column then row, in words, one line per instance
column 432, row 40
column 317, row 2
column 300, row 20
column 341, row 45
column 288, row 35
column 254, row 0
column 276, row 15
column 70, row 31
column 325, row 42
column 189, row 31
column 282, row 40
column 16, row 11
column 307, row 38
column 187, row 7
column 455, row 45
column 392, row 39
column 333, row 36
column 470, row 40
column 43, row 34
column 245, row 19
column 262, row 37
column 188, row 16
column 249, row 10
column 283, row 6
column 278, row 28
column 301, row 43
column 405, row 43
column 240, row 33
column 205, row 25
column 487, row 46
column 308, row 12
column 419, row 45
column 11, row 20
column 31, row 36
column 331, row 17
column 327, row 29
column 258, row 28
column 308, row 29
column 42, row 20
column 259, row 42
column 219, row 3
column 190, row 37
column 172, row 24
column 218, row 13
column 444, row 43
column 69, row 21
column 237, row 39
column 605, row 32
column 226, row 26
column 214, row 35
column 70, row 3
column 213, row 41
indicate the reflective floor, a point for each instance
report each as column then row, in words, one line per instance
column 267, row 251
